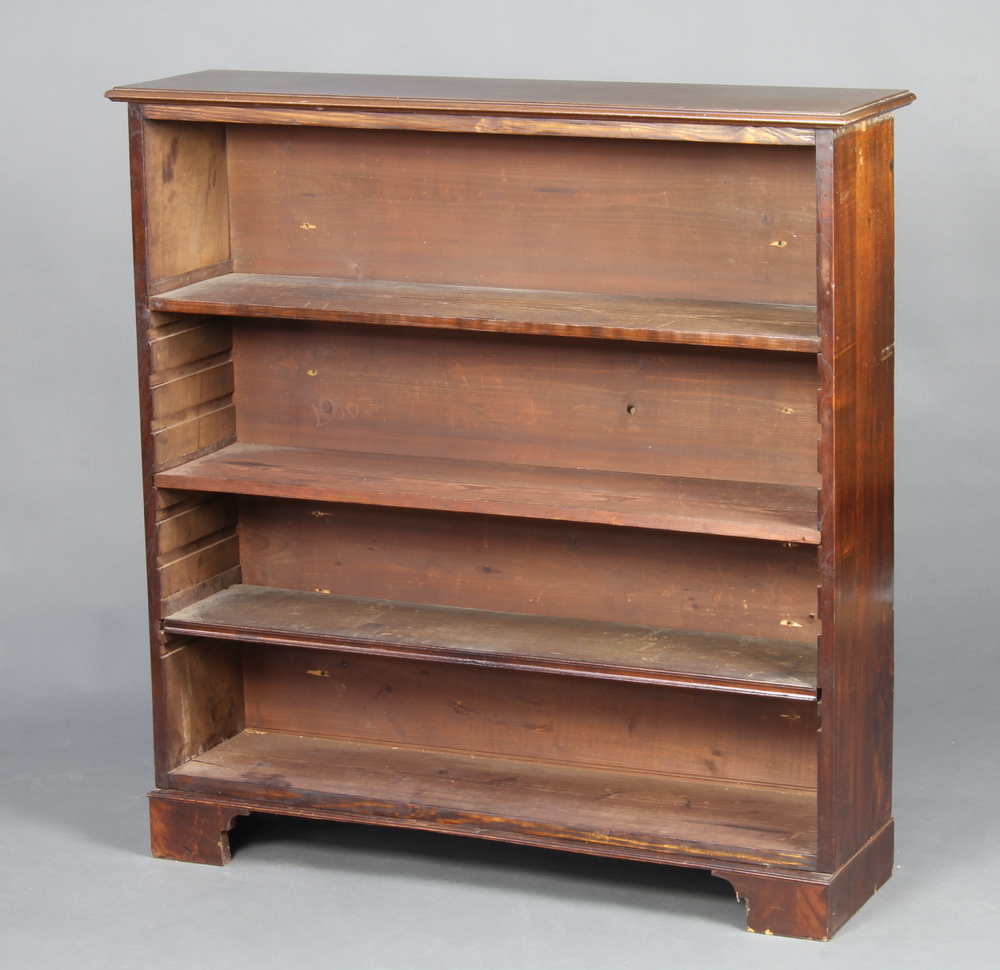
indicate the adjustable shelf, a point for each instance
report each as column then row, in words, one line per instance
column 518, row 464
column 612, row 651
column 783, row 513
column 594, row 315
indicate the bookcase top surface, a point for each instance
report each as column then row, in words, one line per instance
column 692, row 103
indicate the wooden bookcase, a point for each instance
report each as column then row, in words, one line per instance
column 518, row 464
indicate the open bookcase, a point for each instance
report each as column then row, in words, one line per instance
column 518, row 464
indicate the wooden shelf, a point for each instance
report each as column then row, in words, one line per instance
column 715, row 324
column 743, row 509
column 512, row 800
column 612, row 651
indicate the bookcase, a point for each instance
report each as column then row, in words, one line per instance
column 518, row 464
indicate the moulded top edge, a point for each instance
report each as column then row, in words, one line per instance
column 619, row 100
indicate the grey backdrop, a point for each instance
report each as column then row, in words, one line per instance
column 76, row 885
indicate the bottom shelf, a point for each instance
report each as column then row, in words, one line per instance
column 625, row 814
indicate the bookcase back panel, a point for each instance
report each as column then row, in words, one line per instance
column 740, row 586
column 695, row 221
column 532, row 716
column 653, row 409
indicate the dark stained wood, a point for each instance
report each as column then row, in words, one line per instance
column 198, row 561
column 190, row 829
column 713, row 584
column 192, row 594
column 193, row 522
column 782, row 905
column 747, row 325
column 482, row 123
column 206, row 430
column 181, row 395
column 855, row 186
column 188, row 343
column 541, row 364
column 419, row 631
column 203, row 691
column 447, row 790
column 222, row 268
column 516, row 713
column 649, row 219
column 698, row 103
column 186, row 197
column 736, row 416
column 145, row 326
column 785, row 513
column 181, row 231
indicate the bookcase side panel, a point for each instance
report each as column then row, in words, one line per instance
column 180, row 226
column 856, row 509
column 187, row 197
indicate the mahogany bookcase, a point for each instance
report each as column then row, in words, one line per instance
column 518, row 464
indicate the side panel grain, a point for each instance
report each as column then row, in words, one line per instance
column 187, row 202
column 189, row 522
column 189, row 341
column 856, row 556
column 203, row 691
column 181, row 230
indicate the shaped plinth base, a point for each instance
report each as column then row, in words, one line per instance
column 813, row 906
column 191, row 830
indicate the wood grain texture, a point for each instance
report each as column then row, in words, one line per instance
column 201, row 387
column 210, row 428
column 781, row 905
column 198, row 561
column 188, row 343
column 604, row 341
column 608, row 574
column 514, row 713
column 179, row 207
column 194, row 522
column 454, row 792
column 736, row 416
column 203, row 692
column 747, row 325
column 419, row 631
column 856, row 558
column 697, row 103
column 186, row 197
column 201, row 273
column 654, row 219
column 784, row 513
column 482, row 123
column 191, row 830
